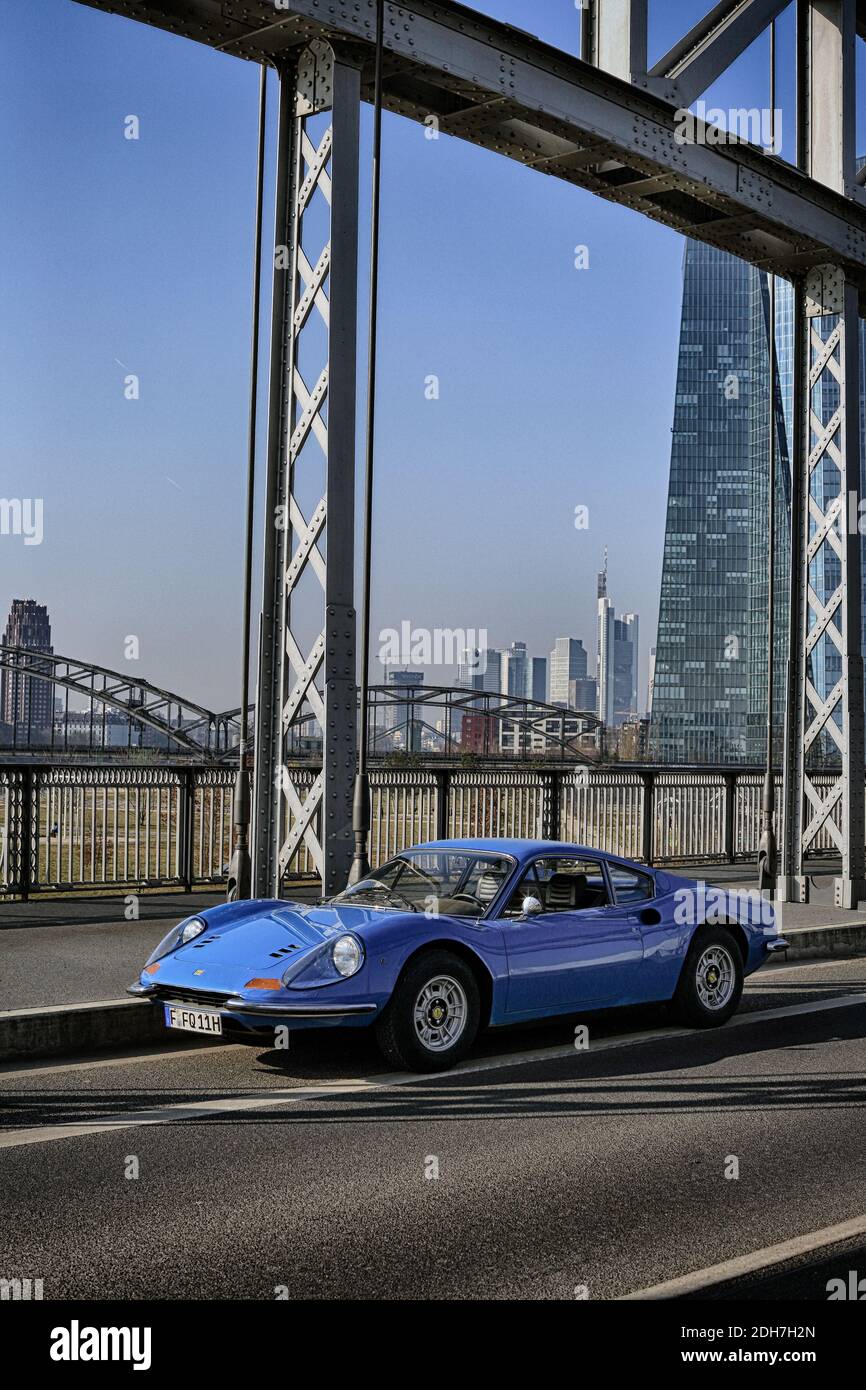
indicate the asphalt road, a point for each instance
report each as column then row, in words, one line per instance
column 559, row 1170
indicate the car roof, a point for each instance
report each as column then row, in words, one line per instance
column 520, row 849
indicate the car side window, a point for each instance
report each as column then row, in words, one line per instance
column 527, row 887
column 561, row 885
column 629, row 885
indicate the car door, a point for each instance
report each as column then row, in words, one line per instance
column 581, row 950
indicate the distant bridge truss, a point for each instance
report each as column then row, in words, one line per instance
column 105, row 712
column 109, row 711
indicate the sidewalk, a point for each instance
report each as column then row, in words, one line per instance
column 74, row 950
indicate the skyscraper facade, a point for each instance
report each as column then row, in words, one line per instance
column 538, row 679
column 711, row 669
column 625, row 654
column 617, row 659
column 709, row 686
column 583, row 694
column 399, row 713
column 24, row 699
column 629, row 663
column 568, row 662
column 515, row 670
column 492, row 679
column 605, row 661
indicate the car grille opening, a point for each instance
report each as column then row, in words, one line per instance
column 201, row 998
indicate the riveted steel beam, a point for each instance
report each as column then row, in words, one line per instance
column 544, row 108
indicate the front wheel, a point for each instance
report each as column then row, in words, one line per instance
column 432, row 1019
column 711, row 982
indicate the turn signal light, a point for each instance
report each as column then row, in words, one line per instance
column 262, row 982
column 152, row 969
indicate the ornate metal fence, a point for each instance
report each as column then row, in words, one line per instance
column 68, row 828
column 65, row 828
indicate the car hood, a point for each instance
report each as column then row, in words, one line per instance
column 268, row 937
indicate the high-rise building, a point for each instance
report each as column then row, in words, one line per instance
column 24, row 699
column 480, row 670
column 583, row 694
column 625, row 661
column 469, row 670
column 514, row 674
column 492, row 670
column 399, row 714
column 604, row 650
column 710, row 679
column 538, row 679
column 617, row 657
column 567, row 663
column 701, row 696
column 604, row 660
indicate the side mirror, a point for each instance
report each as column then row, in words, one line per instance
column 532, row 907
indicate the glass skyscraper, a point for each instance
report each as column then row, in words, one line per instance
column 710, row 683
column 701, row 693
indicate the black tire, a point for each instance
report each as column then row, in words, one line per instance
column 710, row 950
column 401, row 1042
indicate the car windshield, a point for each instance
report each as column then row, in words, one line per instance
column 439, row 882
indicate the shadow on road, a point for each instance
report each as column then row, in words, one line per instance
column 649, row 1079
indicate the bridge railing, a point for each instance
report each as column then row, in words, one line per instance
column 74, row 828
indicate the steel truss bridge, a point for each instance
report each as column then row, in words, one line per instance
column 607, row 123
column 123, row 714
column 112, row 699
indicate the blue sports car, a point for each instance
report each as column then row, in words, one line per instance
column 457, row 935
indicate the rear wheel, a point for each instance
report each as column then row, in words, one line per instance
column 711, row 982
column 432, row 1019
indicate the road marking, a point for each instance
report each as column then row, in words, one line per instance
column 11, row 1070
column 261, row 1100
column 751, row 1264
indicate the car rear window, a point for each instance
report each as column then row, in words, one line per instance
column 629, row 885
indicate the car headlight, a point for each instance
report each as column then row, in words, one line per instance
column 192, row 930
column 347, row 953
column 178, row 936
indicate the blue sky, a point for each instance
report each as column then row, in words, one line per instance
column 117, row 256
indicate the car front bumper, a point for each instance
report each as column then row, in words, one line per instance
column 236, row 1007
column 778, row 943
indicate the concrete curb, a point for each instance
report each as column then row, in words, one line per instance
column 809, row 942
column 73, row 1028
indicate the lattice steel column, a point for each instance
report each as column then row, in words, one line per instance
column 826, row 725
column 307, row 634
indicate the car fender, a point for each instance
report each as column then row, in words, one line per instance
column 391, row 945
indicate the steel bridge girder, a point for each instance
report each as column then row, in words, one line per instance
column 313, row 294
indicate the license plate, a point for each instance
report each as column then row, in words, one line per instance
column 193, row 1020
